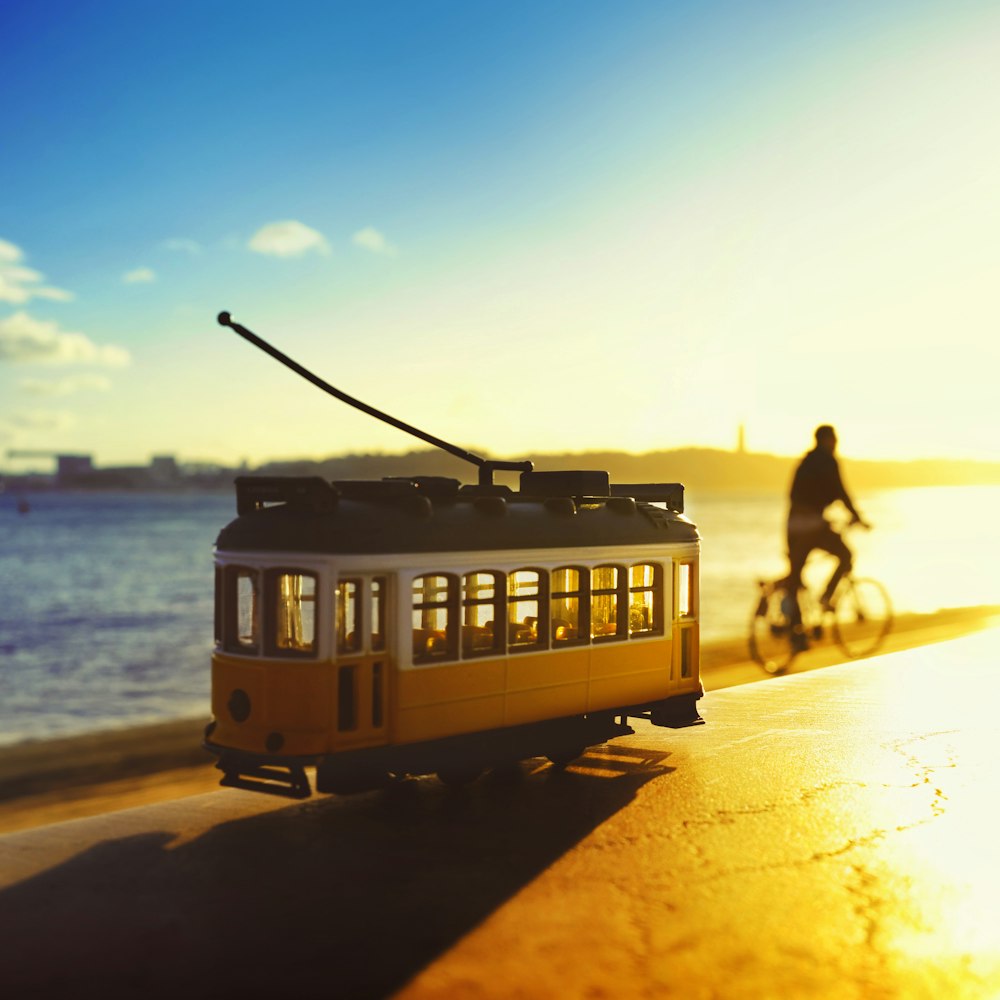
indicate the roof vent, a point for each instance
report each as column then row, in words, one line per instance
column 437, row 487
column 669, row 494
column 565, row 484
column 561, row 506
column 490, row 505
column 300, row 493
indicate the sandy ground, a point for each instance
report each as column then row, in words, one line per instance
column 48, row 782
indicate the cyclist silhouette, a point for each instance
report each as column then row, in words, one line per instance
column 816, row 485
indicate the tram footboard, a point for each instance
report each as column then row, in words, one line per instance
column 287, row 778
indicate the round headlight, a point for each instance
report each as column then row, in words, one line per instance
column 239, row 705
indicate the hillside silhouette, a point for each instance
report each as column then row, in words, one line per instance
column 696, row 468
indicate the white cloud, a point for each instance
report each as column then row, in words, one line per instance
column 288, row 239
column 181, row 245
column 9, row 254
column 140, row 276
column 41, row 420
column 65, row 386
column 26, row 339
column 20, row 284
column 371, row 239
column 56, row 294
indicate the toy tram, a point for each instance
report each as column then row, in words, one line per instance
column 422, row 626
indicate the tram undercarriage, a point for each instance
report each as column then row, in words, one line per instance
column 456, row 760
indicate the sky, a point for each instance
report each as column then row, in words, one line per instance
column 525, row 227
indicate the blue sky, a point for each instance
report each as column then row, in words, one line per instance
column 526, row 227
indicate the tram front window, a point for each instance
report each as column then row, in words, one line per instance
column 245, row 626
column 685, row 590
column 606, row 621
column 566, row 602
column 348, row 616
column 645, row 598
column 378, row 614
column 295, row 618
column 525, row 608
column 481, row 607
column 435, row 618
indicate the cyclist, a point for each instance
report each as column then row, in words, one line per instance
column 816, row 485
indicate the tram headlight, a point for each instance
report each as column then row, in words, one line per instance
column 239, row 705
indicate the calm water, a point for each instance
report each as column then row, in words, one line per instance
column 106, row 599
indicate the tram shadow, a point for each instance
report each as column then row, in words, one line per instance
column 337, row 897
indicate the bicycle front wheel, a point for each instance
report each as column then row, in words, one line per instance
column 862, row 617
column 771, row 633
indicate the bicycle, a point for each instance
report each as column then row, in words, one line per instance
column 859, row 618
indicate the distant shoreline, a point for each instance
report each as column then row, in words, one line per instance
column 696, row 468
column 48, row 781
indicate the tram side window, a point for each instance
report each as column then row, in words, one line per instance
column 685, row 613
column 607, row 603
column 220, row 626
column 348, row 616
column 378, row 585
column 526, row 610
column 645, row 600
column 240, row 599
column 435, row 618
column 569, row 606
column 294, row 597
column 482, row 608
column 684, row 590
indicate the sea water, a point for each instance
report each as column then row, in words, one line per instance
column 106, row 598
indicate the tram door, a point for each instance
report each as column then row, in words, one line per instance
column 360, row 688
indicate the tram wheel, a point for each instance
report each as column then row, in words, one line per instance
column 458, row 777
column 344, row 781
column 565, row 755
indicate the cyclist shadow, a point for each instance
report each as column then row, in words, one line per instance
column 351, row 896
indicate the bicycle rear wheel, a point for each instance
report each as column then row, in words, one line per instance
column 771, row 632
column 862, row 616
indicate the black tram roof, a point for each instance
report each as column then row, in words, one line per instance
column 436, row 514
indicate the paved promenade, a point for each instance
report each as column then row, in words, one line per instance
column 832, row 834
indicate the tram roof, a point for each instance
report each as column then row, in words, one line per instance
column 434, row 514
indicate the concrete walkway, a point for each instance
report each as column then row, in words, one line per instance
column 830, row 834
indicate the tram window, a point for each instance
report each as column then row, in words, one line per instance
column 568, row 605
column 481, row 609
column 606, row 603
column 294, row 597
column 347, row 698
column 244, row 622
column 219, row 585
column 348, row 616
column 526, row 611
column 378, row 613
column 687, row 638
column 377, row 707
column 645, row 600
column 435, row 618
column 684, row 590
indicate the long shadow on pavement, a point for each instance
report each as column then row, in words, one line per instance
column 338, row 898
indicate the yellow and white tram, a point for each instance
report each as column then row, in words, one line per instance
column 423, row 626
